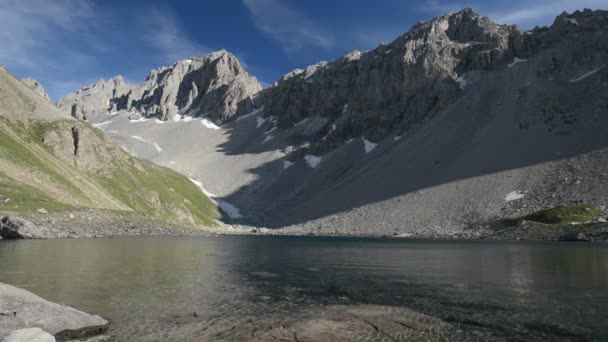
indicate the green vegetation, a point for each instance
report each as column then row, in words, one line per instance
column 22, row 198
column 159, row 191
column 19, row 153
column 552, row 223
column 559, row 215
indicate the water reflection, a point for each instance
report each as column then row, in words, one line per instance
column 152, row 285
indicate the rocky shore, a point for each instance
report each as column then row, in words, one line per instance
column 574, row 223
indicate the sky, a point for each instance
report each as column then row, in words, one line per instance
column 65, row 44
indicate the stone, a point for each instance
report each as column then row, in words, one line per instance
column 29, row 335
column 17, row 228
column 42, row 211
column 602, row 219
column 573, row 237
column 30, row 310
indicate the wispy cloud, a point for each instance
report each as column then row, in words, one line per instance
column 160, row 28
column 32, row 25
column 68, row 43
column 287, row 26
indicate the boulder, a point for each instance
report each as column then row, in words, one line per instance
column 29, row 335
column 17, row 228
column 573, row 237
column 23, row 309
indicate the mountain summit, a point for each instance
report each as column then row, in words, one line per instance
column 215, row 85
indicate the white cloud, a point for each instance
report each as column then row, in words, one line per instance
column 288, row 27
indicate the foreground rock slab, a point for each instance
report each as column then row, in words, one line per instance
column 21, row 309
column 29, row 335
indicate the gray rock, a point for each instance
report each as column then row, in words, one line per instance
column 573, row 237
column 23, row 309
column 29, row 335
column 17, row 228
column 215, row 85
column 42, row 211
column 36, row 87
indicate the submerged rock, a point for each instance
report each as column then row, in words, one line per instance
column 17, row 228
column 23, row 309
column 573, row 237
column 29, row 335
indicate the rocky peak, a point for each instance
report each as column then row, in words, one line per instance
column 215, row 85
column 36, row 87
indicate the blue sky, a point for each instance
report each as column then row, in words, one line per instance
column 68, row 43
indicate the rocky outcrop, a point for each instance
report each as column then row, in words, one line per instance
column 36, row 87
column 215, row 85
column 23, row 309
column 17, row 228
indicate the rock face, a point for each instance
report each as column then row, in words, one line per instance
column 17, row 228
column 215, row 85
column 23, row 309
column 395, row 86
column 36, row 87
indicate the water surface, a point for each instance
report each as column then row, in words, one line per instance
column 148, row 286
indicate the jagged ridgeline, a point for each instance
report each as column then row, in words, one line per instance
column 214, row 85
column 50, row 161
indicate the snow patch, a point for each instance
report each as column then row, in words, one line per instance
column 582, row 77
column 137, row 137
column 287, row 164
column 312, row 161
column 514, row 196
column 344, row 108
column 158, row 121
column 268, row 138
column 157, row 147
column 388, row 51
column 516, row 60
column 209, row 124
column 369, row 146
column 142, row 119
column 462, row 82
column 231, row 210
column 102, row 124
column 259, row 122
column 274, row 128
column 572, row 21
column 249, row 115
column 397, row 138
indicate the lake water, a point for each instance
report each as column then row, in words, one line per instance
column 176, row 289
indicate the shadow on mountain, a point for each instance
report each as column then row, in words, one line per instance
column 504, row 122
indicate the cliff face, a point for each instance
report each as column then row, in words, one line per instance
column 215, row 86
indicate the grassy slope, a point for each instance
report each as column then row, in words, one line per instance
column 552, row 223
column 33, row 176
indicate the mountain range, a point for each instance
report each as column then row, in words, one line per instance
column 452, row 127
